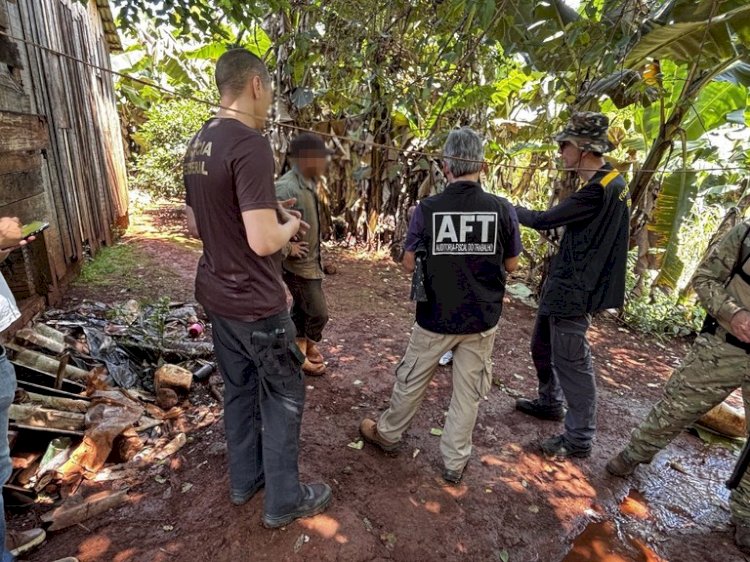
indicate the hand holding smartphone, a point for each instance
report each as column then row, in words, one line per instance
column 27, row 234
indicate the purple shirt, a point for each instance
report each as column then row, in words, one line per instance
column 512, row 247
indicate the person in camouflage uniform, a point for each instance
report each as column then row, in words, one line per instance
column 717, row 364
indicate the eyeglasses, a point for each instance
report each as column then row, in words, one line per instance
column 562, row 144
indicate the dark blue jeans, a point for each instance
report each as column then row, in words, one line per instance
column 264, row 395
column 7, row 392
column 562, row 358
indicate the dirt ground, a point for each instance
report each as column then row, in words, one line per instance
column 513, row 505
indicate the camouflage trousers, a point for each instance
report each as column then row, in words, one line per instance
column 712, row 370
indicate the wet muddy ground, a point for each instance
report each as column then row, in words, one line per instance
column 513, row 504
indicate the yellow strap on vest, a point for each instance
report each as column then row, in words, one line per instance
column 609, row 177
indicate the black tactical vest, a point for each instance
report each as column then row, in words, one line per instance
column 588, row 273
column 465, row 233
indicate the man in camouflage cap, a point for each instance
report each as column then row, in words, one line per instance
column 588, row 131
column 587, row 275
column 718, row 363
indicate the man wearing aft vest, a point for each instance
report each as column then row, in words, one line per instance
column 718, row 363
column 586, row 275
column 470, row 241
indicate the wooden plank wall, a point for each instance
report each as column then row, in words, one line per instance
column 61, row 152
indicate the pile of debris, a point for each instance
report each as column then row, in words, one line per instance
column 102, row 393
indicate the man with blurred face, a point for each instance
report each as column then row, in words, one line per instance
column 232, row 207
column 303, row 269
column 587, row 275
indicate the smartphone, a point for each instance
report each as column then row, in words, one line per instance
column 29, row 230
column 33, row 228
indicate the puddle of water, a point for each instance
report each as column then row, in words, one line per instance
column 635, row 506
column 603, row 542
column 600, row 542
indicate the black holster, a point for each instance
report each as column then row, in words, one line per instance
column 418, row 291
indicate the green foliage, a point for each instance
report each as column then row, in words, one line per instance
column 659, row 313
column 403, row 73
column 119, row 262
column 163, row 139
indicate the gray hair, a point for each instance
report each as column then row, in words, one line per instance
column 235, row 67
column 463, row 152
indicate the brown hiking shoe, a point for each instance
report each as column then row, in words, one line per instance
column 313, row 369
column 313, row 354
column 368, row 429
column 622, row 465
column 20, row 542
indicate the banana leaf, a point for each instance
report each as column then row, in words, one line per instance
column 684, row 42
column 675, row 201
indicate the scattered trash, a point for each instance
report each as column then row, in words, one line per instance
column 389, row 539
column 174, row 377
column 301, row 540
column 415, row 453
column 368, row 524
column 436, row 431
column 521, row 292
column 356, row 445
column 534, row 508
column 447, row 358
column 104, row 391
column 203, row 372
column 503, row 555
column 75, row 509
column 196, row 329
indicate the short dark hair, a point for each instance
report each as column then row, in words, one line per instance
column 235, row 67
column 308, row 143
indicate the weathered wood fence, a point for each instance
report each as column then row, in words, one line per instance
column 61, row 152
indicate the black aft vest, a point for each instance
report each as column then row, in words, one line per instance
column 465, row 233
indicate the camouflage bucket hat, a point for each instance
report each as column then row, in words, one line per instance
column 588, row 131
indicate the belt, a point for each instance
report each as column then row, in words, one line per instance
column 710, row 325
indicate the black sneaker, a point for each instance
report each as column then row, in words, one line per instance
column 541, row 411
column 317, row 497
column 560, row 447
column 240, row 498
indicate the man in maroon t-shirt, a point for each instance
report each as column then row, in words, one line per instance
column 232, row 208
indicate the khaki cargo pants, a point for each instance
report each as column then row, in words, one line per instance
column 472, row 378
column 712, row 370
